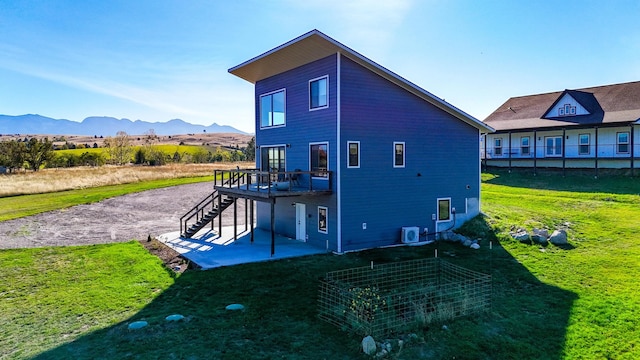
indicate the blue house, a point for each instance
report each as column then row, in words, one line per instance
column 349, row 155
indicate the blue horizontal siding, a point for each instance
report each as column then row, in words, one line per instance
column 302, row 128
column 441, row 159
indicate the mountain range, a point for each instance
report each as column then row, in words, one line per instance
column 102, row 126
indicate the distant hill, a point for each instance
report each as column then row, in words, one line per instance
column 102, row 126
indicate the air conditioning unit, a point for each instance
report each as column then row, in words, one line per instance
column 410, row 234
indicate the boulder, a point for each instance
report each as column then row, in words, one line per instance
column 369, row 345
column 539, row 239
column 447, row 236
column 541, row 232
column 522, row 236
column 460, row 238
column 559, row 237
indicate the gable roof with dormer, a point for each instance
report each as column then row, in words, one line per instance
column 315, row 45
column 607, row 105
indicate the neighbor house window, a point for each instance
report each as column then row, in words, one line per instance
column 444, row 209
column 272, row 109
column 319, row 93
column 322, row 219
column 554, row 146
column 497, row 147
column 524, row 145
column 567, row 110
column 584, row 145
column 354, row 154
column 622, row 143
column 398, row 154
column 319, row 161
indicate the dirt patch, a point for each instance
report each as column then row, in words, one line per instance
column 124, row 218
column 171, row 258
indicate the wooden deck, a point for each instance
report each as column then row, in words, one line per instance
column 267, row 185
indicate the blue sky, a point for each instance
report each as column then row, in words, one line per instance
column 157, row 60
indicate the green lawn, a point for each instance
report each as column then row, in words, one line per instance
column 577, row 302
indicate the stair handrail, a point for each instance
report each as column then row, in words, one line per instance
column 198, row 210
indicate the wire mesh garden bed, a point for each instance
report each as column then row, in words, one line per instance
column 385, row 299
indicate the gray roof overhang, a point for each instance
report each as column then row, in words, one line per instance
column 315, row 45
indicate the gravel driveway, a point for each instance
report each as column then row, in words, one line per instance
column 123, row 218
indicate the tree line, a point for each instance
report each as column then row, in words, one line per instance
column 35, row 154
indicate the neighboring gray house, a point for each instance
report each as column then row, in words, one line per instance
column 583, row 128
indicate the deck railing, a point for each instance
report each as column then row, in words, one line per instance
column 274, row 181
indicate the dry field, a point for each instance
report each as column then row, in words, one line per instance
column 213, row 139
column 52, row 180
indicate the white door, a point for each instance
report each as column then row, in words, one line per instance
column 301, row 222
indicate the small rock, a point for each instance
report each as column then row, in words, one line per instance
column 467, row 243
column 235, row 307
column 445, row 327
column 382, row 353
column 559, row 237
column 369, row 345
column 522, row 236
column 475, row 246
column 137, row 325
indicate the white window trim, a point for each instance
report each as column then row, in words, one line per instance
column 309, row 88
column 310, row 169
column 349, row 154
column 260, row 109
column 495, row 153
column 404, row 154
column 438, row 210
column 588, row 144
column 528, row 146
column 271, row 146
column 618, row 143
column 561, row 145
column 326, row 212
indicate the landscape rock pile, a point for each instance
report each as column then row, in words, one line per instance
column 450, row 236
column 540, row 236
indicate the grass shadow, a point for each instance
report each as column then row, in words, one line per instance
column 528, row 318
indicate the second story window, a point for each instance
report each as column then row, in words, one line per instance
column 319, row 93
column 272, row 109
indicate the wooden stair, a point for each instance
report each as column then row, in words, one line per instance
column 203, row 218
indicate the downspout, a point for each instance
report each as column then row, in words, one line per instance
column 338, row 162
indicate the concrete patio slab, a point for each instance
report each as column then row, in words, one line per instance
column 209, row 250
